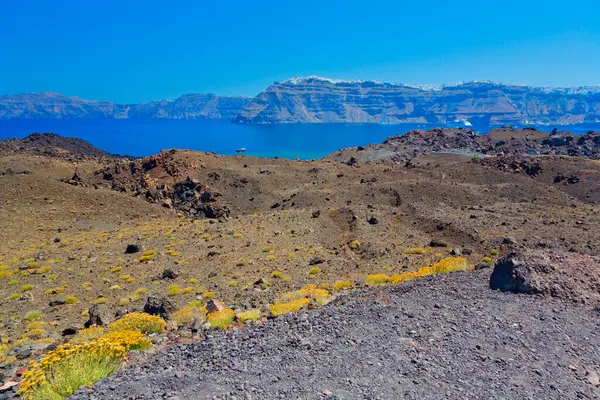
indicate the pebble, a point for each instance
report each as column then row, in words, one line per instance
column 484, row 337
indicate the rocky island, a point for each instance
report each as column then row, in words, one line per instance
column 58, row 106
column 322, row 100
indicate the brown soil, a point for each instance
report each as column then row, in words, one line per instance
column 282, row 214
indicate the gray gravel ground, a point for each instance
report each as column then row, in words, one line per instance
column 444, row 337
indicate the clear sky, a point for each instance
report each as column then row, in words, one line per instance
column 135, row 51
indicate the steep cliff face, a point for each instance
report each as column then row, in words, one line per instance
column 57, row 106
column 315, row 100
column 191, row 106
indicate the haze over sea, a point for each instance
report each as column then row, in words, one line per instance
column 304, row 141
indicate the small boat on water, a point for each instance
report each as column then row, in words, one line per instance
column 240, row 150
column 459, row 123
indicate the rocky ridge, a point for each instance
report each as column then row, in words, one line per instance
column 499, row 142
column 51, row 144
column 321, row 100
column 58, row 106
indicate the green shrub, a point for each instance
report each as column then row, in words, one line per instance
column 33, row 315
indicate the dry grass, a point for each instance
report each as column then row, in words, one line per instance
column 221, row 319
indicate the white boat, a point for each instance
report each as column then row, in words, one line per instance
column 240, row 150
column 459, row 123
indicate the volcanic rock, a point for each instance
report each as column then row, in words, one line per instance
column 570, row 276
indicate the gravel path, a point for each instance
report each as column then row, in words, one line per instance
column 444, row 337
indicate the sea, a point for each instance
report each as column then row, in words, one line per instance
column 304, row 141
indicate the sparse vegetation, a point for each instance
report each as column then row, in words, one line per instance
column 286, row 308
column 414, row 250
column 173, row 290
column 342, row 285
column 221, row 319
column 33, row 315
column 249, row 315
column 139, row 322
column 88, row 334
column 188, row 315
column 26, row 288
column 54, row 377
column 377, row 280
column 277, row 274
column 208, row 295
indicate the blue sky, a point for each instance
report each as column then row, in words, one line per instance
column 135, row 51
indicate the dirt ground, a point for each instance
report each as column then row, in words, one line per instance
column 61, row 240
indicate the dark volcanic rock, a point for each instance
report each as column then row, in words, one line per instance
column 465, row 342
column 54, row 145
column 132, row 248
column 316, row 261
column 567, row 275
column 169, row 274
column 99, row 315
column 513, row 153
column 437, row 243
column 197, row 201
column 68, row 332
column 159, row 306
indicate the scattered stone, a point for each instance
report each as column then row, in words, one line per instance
column 57, row 240
column 196, row 200
column 437, row 243
column 159, row 306
column 592, row 377
column 352, row 162
column 132, row 248
column 471, row 334
column 316, row 260
column 455, row 252
column 566, row 275
column 509, row 240
column 99, row 315
column 214, row 305
column 373, row 220
column 316, row 214
column 69, row 332
column 22, row 353
column 169, row 274
column 481, row 266
column 56, row 303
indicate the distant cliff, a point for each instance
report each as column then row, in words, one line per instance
column 318, row 100
column 58, row 106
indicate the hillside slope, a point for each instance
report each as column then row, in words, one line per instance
column 446, row 337
column 58, row 106
column 319, row 100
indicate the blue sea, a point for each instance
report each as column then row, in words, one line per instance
column 304, row 141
